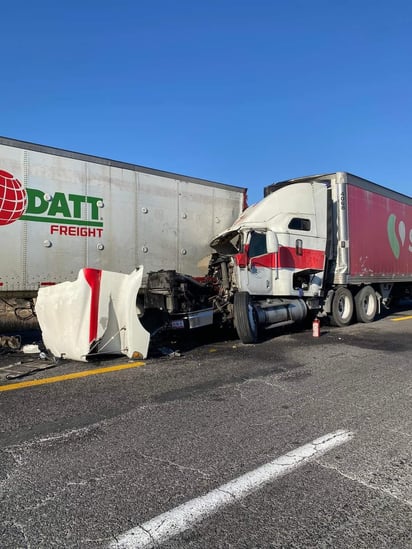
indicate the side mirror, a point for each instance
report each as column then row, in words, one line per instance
column 272, row 245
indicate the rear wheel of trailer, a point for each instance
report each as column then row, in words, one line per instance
column 342, row 307
column 366, row 304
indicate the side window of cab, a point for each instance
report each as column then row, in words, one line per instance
column 299, row 224
column 257, row 244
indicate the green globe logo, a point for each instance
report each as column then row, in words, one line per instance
column 396, row 238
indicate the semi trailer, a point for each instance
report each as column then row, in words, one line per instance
column 61, row 211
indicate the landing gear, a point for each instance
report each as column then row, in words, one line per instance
column 245, row 318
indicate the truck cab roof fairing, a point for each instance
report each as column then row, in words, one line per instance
column 326, row 178
column 342, row 176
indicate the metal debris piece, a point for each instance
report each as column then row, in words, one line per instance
column 165, row 351
column 10, row 342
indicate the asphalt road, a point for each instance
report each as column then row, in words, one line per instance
column 84, row 461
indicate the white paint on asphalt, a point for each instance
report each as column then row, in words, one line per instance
column 185, row 516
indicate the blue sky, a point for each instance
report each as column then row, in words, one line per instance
column 241, row 92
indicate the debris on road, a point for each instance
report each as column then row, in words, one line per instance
column 94, row 315
column 10, row 342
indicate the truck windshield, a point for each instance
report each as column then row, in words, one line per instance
column 227, row 244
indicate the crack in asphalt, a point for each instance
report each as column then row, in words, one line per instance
column 365, row 484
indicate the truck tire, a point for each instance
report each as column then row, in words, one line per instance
column 245, row 318
column 342, row 307
column 366, row 304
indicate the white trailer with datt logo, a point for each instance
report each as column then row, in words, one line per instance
column 62, row 211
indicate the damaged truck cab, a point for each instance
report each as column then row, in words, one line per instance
column 278, row 265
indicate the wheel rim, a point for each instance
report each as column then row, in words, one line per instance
column 368, row 305
column 344, row 307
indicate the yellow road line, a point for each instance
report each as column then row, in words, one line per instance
column 401, row 318
column 75, row 375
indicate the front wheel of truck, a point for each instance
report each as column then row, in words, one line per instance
column 245, row 318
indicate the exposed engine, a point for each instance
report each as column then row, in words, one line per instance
column 171, row 300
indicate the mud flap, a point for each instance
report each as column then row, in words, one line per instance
column 96, row 314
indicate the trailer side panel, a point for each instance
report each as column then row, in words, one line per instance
column 380, row 237
column 62, row 212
